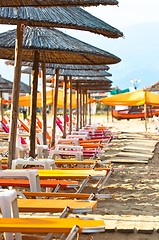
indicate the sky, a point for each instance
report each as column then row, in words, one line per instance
column 128, row 16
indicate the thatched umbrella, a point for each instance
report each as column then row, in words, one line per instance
column 61, row 17
column 51, row 79
column 6, row 87
column 63, row 66
column 54, row 46
column 71, row 73
column 82, row 86
column 51, row 45
column 44, row 3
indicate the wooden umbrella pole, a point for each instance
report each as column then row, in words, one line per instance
column 1, row 106
column 32, row 134
column 83, row 113
column 86, row 108
column 77, row 108
column 145, row 111
column 65, row 106
column 90, row 110
column 55, row 107
column 81, row 108
column 15, row 95
column 44, row 118
column 29, row 83
column 70, row 112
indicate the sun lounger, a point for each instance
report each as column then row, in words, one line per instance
column 85, row 175
column 66, row 150
column 69, row 226
column 56, row 205
column 85, row 196
column 75, row 163
column 45, row 163
column 78, row 136
column 52, row 184
column 72, row 141
column 30, row 179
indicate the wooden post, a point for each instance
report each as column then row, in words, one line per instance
column 32, row 135
column 65, row 106
column 1, row 106
column 145, row 111
column 55, row 107
column 83, row 113
column 77, row 108
column 70, row 112
column 29, row 83
column 15, row 95
column 86, row 108
column 44, row 118
column 89, row 110
column 81, row 108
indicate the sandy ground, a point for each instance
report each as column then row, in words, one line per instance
column 135, row 188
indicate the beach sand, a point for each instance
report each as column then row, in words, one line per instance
column 135, row 188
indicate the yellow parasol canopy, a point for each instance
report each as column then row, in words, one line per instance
column 26, row 100
column 136, row 98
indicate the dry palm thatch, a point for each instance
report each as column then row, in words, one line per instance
column 63, row 66
column 54, row 47
column 91, row 83
column 44, row 3
column 6, row 86
column 79, row 78
column 71, row 72
column 62, row 17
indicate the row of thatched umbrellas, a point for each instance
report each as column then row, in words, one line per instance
column 47, row 46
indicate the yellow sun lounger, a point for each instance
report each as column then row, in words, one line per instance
column 85, row 196
column 85, row 175
column 56, row 205
column 74, row 162
column 68, row 226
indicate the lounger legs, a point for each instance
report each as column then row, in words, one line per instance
column 84, row 183
column 105, row 179
column 63, row 215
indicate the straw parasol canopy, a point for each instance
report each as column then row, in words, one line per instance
column 94, row 82
column 63, row 66
column 61, row 17
column 71, row 72
column 44, row 3
column 53, row 46
column 91, row 83
column 6, row 86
